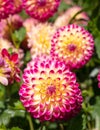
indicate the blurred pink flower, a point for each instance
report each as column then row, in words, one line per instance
column 49, row 90
column 13, row 22
column 80, row 19
column 39, row 39
column 41, row 9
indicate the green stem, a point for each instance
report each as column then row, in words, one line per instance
column 30, row 122
column 97, row 122
column 61, row 126
column 11, row 31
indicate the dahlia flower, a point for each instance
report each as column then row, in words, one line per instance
column 80, row 19
column 6, row 44
column 4, row 72
column 98, row 78
column 39, row 39
column 12, row 61
column 73, row 44
column 49, row 90
column 41, row 9
column 5, row 6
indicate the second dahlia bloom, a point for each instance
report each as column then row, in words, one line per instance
column 12, row 61
column 49, row 90
column 39, row 39
column 41, row 9
column 73, row 44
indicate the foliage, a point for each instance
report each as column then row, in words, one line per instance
column 13, row 115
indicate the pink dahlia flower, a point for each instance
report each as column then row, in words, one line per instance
column 4, row 72
column 49, row 90
column 41, row 9
column 80, row 19
column 12, row 61
column 5, row 6
column 39, row 39
column 73, row 44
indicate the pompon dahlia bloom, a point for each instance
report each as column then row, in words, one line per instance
column 4, row 72
column 39, row 39
column 12, row 61
column 41, row 9
column 73, row 44
column 5, row 6
column 81, row 19
column 98, row 78
column 49, row 90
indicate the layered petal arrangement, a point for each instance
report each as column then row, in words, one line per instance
column 39, row 39
column 5, row 7
column 41, row 9
column 12, row 61
column 49, row 90
column 73, row 44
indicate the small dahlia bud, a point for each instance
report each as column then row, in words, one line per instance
column 81, row 19
column 73, row 44
column 5, row 6
column 39, row 39
column 49, row 90
column 13, row 62
column 41, row 9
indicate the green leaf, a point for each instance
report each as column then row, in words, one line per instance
column 96, row 113
column 18, row 105
column 76, row 123
column 84, row 122
column 63, row 6
column 18, row 36
column 2, row 127
column 97, row 46
column 8, row 114
column 16, row 128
